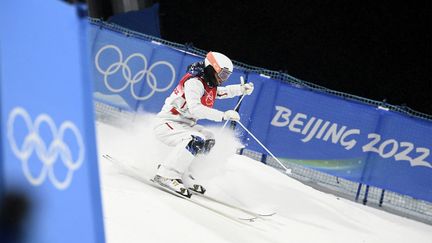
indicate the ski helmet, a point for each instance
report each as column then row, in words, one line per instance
column 220, row 63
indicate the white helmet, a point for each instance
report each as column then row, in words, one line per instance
column 220, row 63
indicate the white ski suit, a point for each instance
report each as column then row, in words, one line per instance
column 190, row 101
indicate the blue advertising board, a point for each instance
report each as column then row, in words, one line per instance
column 341, row 137
column 129, row 72
column 138, row 75
column 48, row 140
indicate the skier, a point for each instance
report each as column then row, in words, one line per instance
column 191, row 100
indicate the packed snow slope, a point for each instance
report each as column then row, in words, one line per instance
column 137, row 212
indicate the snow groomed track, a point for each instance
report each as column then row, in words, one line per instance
column 135, row 211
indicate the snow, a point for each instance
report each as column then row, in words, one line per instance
column 136, row 212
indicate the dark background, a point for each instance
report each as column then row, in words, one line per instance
column 374, row 49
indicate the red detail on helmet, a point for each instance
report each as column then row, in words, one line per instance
column 213, row 62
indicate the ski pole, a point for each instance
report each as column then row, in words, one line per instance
column 242, row 81
column 287, row 170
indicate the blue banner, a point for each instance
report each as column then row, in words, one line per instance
column 344, row 138
column 47, row 125
column 132, row 73
column 137, row 75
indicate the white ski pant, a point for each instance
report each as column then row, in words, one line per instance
column 178, row 135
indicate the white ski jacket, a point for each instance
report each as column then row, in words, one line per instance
column 193, row 99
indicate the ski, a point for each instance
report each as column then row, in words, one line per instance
column 223, row 210
column 256, row 214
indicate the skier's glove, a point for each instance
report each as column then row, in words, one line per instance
column 247, row 88
column 231, row 115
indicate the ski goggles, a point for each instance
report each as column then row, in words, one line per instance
column 224, row 74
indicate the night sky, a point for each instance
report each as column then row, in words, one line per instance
column 373, row 49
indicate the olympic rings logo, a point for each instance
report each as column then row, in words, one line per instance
column 130, row 79
column 46, row 154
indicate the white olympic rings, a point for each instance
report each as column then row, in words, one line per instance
column 130, row 79
column 46, row 154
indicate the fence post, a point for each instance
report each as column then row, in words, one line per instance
column 264, row 158
column 241, row 151
column 366, row 195
column 358, row 192
column 381, row 198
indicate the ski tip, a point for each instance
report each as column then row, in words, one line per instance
column 266, row 214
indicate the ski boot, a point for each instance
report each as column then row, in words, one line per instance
column 193, row 186
column 175, row 185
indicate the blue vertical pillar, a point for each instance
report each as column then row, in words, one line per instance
column 48, row 147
